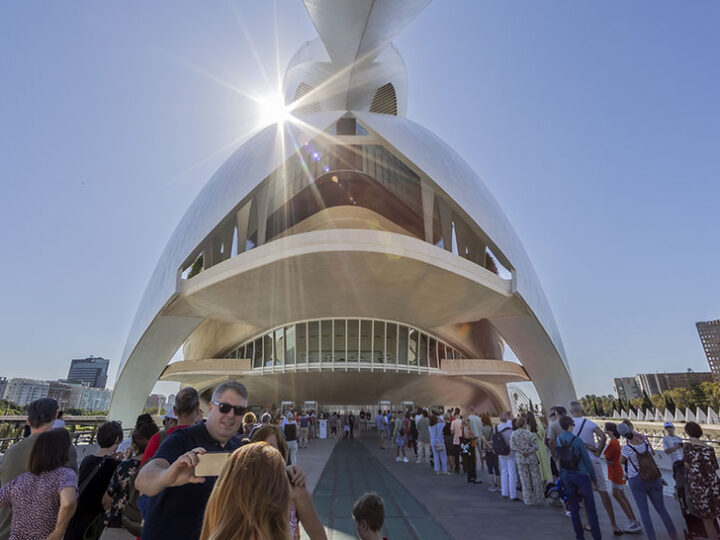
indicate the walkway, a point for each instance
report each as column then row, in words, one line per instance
column 458, row 506
column 351, row 471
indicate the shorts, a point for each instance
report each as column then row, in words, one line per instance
column 612, row 485
column 400, row 442
column 600, row 474
column 493, row 463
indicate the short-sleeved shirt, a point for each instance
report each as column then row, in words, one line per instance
column 90, row 500
column 612, row 453
column 633, row 467
column 154, row 443
column 119, row 488
column 14, row 463
column 35, row 500
column 456, row 430
column 177, row 512
column 587, row 435
column 673, row 440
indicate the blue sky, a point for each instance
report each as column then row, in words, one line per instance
column 595, row 125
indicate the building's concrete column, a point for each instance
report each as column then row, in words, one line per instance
column 261, row 199
column 428, row 203
column 242, row 219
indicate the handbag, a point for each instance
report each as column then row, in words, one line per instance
column 95, row 529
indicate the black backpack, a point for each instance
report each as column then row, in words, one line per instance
column 569, row 461
column 290, row 432
column 500, row 447
column 132, row 518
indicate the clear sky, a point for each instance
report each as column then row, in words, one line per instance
column 595, row 124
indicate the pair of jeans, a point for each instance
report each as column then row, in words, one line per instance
column 577, row 486
column 423, row 455
column 643, row 490
column 439, row 459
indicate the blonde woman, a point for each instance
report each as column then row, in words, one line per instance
column 251, row 497
column 301, row 508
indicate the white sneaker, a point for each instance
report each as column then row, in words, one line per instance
column 633, row 528
column 406, row 460
column 398, row 459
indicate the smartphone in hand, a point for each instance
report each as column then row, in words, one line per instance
column 211, row 464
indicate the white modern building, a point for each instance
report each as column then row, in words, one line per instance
column 24, row 391
column 346, row 254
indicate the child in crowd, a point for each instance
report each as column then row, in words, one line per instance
column 369, row 515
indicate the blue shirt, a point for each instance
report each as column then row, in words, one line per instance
column 177, row 512
column 578, row 448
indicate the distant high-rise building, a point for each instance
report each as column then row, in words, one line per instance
column 95, row 399
column 709, row 332
column 657, row 383
column 25, row 391
column 155, row 401
column 90, row 370
column 626, row 388
column 3, row 386
column 170, row 401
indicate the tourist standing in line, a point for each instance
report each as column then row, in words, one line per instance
column 177, row 496
column 476, row 428
column 703, row 484
column 467, row 451
column 594, row 438
column 96, row 470
column 290, row 431
column 41, row 416
column 553, row 432
column 43, row 498
column 524, row 446
column 333, row 422
column 380, row 425
column 187, row 410
column 448, row 440
column 304, row 430
column 437, row 443
column 537, row 429
column 578, row 476
column 400, row 439
column 508, row 467
column 645, row 481
column 673, row 446
column 491, row 458
column 456, row 429
column 118, row 489
column 302, row 510
column 423, row 442
column 616, row 481
column 249, row 422
column 237, row 508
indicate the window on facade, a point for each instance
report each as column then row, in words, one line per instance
column 326, row 329
column 365, row 341
column 391, row 343
column 279, row 347
column 258, row 357
column 301, row 356
column 339, row 331
column 268, row 350
column 403, row 346
column 378, row 341
column 433, row 357
column 353, row 340
column 314, row 342
column 423, row 351
column 290, row 344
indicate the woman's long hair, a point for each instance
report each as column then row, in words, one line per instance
column 251, row 497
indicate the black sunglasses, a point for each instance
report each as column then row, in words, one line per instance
column 226, row 408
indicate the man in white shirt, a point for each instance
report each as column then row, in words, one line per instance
column 594, row 438
column 476, row 428
column 672, row 444
column 508, row 468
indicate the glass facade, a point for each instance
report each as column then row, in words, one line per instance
column 347, row 342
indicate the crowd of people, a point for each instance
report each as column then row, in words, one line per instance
column 153, row 484
column 535, row 457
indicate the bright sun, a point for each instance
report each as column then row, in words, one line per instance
column 273, row 109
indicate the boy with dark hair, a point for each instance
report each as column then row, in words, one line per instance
column 369, row 515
